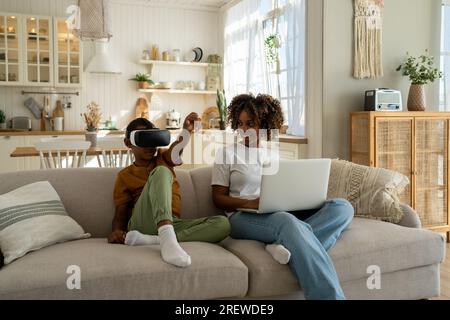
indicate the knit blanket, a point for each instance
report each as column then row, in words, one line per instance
column 368, row 39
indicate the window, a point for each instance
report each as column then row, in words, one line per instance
column 250, row 68
column 444, row 92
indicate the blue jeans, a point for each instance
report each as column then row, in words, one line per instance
column 308, row 241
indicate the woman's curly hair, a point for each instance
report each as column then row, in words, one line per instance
column 263, row 109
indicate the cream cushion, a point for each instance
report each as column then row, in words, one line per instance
column 33, row 217
column 373, row 192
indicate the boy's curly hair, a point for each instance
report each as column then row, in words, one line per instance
column 136, row 123
column 263, row 109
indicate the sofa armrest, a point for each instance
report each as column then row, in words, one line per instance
column 410, row 217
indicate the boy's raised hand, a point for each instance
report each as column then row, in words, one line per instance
column 189, row 122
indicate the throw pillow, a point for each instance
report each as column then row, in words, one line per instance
column 33, row 217
column 373, row 192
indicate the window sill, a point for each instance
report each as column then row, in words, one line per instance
column 286, row 138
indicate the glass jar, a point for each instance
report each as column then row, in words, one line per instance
column 146, row 55
column 177, row 55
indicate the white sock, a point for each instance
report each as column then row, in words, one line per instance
column 135, row 238
column 170, row 249
column 279, row 253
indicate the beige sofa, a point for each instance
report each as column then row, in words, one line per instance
column 408, row 257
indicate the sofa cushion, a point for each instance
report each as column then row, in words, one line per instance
column 121, row 272
column 201, row 179
column 365, row 243
column 87, row 194
column 33, row 217
column 373, row 192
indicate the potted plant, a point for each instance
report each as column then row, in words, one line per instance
column 272, row 43
column 420, row 70
column 143, row 80
column 2, row 119
column 92, row 118
column 221, row 102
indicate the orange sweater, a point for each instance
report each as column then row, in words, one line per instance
column 131, row 180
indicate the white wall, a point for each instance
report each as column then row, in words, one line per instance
column 136, row 26
column 409, row 25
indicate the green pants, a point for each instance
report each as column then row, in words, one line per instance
column 155, row 205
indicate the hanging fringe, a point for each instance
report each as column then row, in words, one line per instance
column 368, row 39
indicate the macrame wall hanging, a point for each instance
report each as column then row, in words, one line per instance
column 368, row 39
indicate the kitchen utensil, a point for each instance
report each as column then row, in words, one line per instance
column 166, row 56
column 191, row 56
column 209, row 114
column 146, row 55
column 57, row 123
column 165, row 85
column 155, row 53
column 34, row 107
column 176, row 55
column 201, row 85
column 199, row 54
column 173, row 120
column 214, row 58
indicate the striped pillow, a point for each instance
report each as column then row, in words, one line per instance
column 33, row 217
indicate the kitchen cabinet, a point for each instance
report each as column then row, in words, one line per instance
column 68, row 57
column 7, row 145
column 38, row 51
column 10, row 50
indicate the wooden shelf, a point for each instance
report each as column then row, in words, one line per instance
column 178, row 63
column 177, row 91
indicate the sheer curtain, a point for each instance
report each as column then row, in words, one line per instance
column 295, row 40
column 444, row 101
column 245, row 68
column 243, row 44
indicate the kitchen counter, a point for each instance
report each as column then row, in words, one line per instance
column 15, row 132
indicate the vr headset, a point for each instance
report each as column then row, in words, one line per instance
column 151, row 138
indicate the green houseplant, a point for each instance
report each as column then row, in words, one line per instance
column 421, row 70
column 221, row 102
column 272, row 43
column 2, row 119
column 143, row 80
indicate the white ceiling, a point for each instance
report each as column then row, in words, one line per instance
column 216, row 4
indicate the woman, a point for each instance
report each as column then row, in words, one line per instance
column 305, row 235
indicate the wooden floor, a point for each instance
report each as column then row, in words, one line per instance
column 445, row 277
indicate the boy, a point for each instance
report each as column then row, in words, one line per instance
column 148, row 201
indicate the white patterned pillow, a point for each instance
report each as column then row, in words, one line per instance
column 373, row 192
column 33, row 217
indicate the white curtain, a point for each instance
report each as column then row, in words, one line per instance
column 295, row 41
column 245, row 69
column 444, row 101
column 243, row 58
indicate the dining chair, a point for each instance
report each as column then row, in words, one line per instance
column 114, row 153
column 57, row 153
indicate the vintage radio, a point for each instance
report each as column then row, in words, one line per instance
column 383, row 100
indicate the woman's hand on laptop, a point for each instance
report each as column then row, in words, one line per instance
column 251, row 204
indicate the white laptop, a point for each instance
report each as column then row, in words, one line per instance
column 297, row 185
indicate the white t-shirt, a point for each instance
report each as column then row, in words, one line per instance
column 240, row 168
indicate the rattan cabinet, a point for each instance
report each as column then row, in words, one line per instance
column 415, row 144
